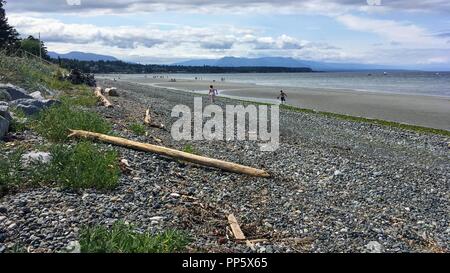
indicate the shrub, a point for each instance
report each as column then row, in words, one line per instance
column 84, row 166
column 54, row 123
column 122, row 238
column 138, row 129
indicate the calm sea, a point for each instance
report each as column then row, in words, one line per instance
column 423, row 83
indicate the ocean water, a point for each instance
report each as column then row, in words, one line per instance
column 422, row 83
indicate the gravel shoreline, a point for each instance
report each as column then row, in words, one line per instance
column 337, row 186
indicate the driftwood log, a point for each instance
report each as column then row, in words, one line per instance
column 235, row 228
column 103, row 100
column 148, row 121
column 205, row 161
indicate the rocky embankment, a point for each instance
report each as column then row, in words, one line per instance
column 336, row 186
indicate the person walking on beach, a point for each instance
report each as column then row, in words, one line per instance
column 212, row 94
column 282, row 97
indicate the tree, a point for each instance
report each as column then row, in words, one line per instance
column 9, row 38
column 31, row 45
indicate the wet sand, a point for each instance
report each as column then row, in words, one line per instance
column 428, row 111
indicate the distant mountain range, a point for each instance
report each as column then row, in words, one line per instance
column 82, row 56
column 284, row 62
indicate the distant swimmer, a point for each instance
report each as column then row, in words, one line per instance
column 212, row 94
column 282, row 97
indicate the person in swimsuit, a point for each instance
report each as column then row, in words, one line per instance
column 282, row 97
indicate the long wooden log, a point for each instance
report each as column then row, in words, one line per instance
column 205, row 161
column 103, row 100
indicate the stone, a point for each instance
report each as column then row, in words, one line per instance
column 4, row 127
column 37, row 95
column 5, row 113
column 4, row 96
column 73, row 247
column 375, row 247
column 14, row 92
column 36, row 157
column 32, row 107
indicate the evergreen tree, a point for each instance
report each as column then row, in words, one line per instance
column 9, row 38
column 31, row 45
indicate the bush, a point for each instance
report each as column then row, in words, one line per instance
column 54, row 123
column 122, row 238
column 138, row 129
column 10, row 166
column 84, row 166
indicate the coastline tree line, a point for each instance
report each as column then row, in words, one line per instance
column 11, row 43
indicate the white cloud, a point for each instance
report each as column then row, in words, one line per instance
column 397, row 33
column 151, row 41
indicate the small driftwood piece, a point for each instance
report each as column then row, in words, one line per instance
column 103, row 100
column 205, row 161
column 235, row 228
column 148, row 121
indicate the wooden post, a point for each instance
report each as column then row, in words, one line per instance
column 205, row 161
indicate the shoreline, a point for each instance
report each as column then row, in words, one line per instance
column 406, row 109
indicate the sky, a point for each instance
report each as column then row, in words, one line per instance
column 392, row 32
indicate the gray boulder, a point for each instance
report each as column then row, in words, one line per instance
column 14, row 92
column 36, row 157
column 37, row 95
column 4, row 96
column 4, row 127
column 5, row 113
column 32, row 107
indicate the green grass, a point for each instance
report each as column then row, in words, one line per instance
column 54, row 123
column 20, row 122
column 190, row 150
column 81, row 166
column 84, row 166
column 81, row 96
column 31, row 73
column 122, row 238
column 138, row 129
column 367, row 120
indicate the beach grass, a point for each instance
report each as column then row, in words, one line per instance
column 122, row 238
column 54, row 123
column 137, row 128
column 84, row 166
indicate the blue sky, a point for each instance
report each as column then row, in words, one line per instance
column 399, row 32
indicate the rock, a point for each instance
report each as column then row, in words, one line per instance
column 14, row 92
column 4, row 127
column 37, row 95
column 5, row 113
column 3, row 210
column 73, row 247
column 375, row 247
column 36, row 157
column 31, row 107
column 4, row 96
column 337, row 173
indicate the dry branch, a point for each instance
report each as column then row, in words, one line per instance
column 205, row 161
column 148, row 121
column 237, row 232
column 103, row 100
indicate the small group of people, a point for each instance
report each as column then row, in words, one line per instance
column 214, row 92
